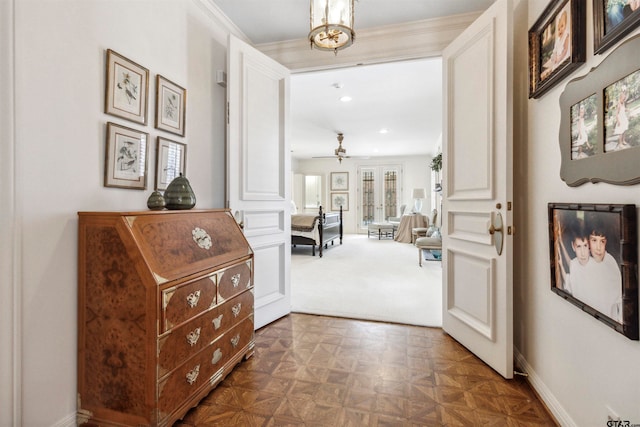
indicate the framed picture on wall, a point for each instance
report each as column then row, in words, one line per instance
column 339, row 181
column 339, row 199
column 599, row 132
column 557, row 44
column 171, row 105
column 126, row 89
column 126, row 158
column 171, row 161
column 612, row 20
column 593, row 253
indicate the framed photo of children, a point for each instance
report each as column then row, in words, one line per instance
column 593, row 253
column 557, row 44
column 171, row 105
column 600, row 121
column 126, row 158
column 612, row 20
column 126, row 89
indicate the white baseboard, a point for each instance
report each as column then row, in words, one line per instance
column 543, row 391
column 68, row 421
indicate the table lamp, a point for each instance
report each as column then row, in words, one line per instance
column 418, row 195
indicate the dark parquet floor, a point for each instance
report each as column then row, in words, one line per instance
column 323, row 371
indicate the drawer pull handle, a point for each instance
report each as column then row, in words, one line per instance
column 235, row 340
column 235, row 280
column 192, row 298
column 201, row 237
column 236, row 309
column 192, row 375
column 217, row 321
column 217, row 355
column 193, row 337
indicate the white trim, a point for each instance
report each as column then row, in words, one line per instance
column 560, row 414
column 419, row 39
column 219, row 19
column 10, row 244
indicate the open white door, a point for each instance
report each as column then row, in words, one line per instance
column 258, row 171
column 477, row 188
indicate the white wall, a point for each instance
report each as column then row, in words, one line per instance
column 580, row 364
column 416, row 173
column 59, row 148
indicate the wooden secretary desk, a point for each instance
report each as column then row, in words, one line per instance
column 165, row 312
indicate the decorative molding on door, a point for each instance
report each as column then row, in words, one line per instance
column 481, row 272
column 260, row 223
column 471, row 226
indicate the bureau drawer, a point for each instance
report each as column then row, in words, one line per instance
column 204, row 368
column 181, row 343
column 236, row 309
column 234, row 280
column 184, row 302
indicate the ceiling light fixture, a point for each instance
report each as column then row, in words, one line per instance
column 345, row 98
column 331, row 24
column 340, row 152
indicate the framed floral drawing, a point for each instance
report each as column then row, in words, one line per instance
column 339, row 200
column 339, row 181
column 126, row 89
column 126, row 158
column 612, row 20
column 557, row 44
column 171, row 161
column 171, row 104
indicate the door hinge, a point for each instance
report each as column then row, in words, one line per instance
column 228, row 112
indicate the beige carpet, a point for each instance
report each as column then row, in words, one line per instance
column 367, row 278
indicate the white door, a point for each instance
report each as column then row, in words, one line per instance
column 477, row 188
column 258, row 171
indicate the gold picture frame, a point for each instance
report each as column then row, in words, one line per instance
column 171, row 161
column 171, row 105
column 126, row 157
column 126, row 89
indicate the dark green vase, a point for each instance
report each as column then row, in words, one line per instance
column 156, row 202
column 179, row 194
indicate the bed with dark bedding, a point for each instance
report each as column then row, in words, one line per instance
column 316, row 230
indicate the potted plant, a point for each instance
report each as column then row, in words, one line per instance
column 436, row 166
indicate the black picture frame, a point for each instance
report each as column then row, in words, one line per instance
column 547, row 67
column 612, row 20
column 606, row 163
column 607, row 289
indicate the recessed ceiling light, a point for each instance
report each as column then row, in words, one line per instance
column 383, row 130
column 345, row 98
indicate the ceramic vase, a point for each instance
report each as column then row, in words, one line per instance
column 156, row 202
column 179, row 194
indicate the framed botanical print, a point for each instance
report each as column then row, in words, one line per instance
column 171, row 104
column 612, row 20
column 127, row 88
column 126, row 158
column 339, row 181
column 171, row 161
column 339, row 200
column 557, row 44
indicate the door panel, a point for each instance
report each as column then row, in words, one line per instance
column 477, row 185
column 259, row 170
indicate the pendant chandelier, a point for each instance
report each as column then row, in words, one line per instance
column 331, row 24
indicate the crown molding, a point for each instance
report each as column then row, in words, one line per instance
column 221, row 21
column 418, row 39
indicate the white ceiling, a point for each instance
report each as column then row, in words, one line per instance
column 403, row 97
